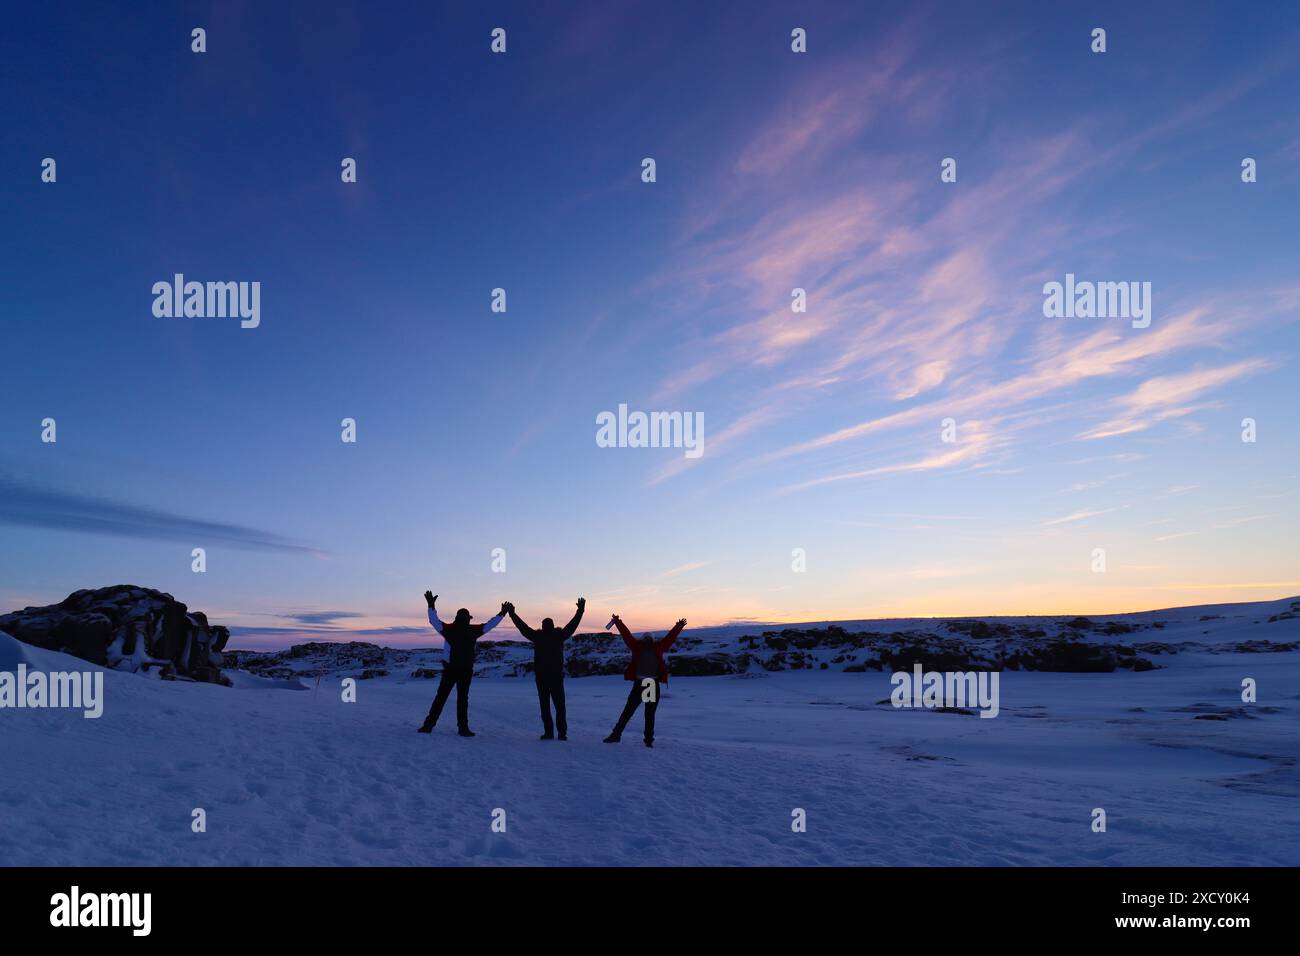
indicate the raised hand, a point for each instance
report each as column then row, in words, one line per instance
column 505, row 607
column 682, row 622
column 430, row 598
column 582, row 602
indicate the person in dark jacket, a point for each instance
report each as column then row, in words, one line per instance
column 648, row 672
column 548, row 666
column 459, row 639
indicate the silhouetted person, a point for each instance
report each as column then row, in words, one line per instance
column 548, row 666
column 648, row 673
column 459, row 638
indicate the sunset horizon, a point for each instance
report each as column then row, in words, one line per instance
column 829, row 342
column 664, row 449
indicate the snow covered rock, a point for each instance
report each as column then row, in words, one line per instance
column 127, row 628
column 707, row 665
column 322, row 658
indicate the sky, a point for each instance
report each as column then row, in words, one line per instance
column 823, row 440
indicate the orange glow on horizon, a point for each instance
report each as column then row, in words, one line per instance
column 950, row 603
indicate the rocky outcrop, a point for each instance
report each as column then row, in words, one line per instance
column 127, row 628
column 706, row 665
column 1063, row 644
column 966, row 646
column 318, row 659
column 1286, row 615
column 959, row 645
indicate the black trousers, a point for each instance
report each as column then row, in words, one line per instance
column 633, row 701
column 550, row 689
column 459, row 677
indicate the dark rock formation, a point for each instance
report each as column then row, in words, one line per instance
column 317, row 659
column 576, row 666
column 127, row 628
column 706, row 665
column 1063, row 644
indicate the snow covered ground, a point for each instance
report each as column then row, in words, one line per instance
column 296, row 776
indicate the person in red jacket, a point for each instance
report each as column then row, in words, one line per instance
column 648, row 673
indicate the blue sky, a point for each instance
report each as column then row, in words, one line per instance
column 775, row 170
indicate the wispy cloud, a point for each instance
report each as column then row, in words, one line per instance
column 682, row 569
column 918, row 301
column 1119, row 456
column 32, row 506
column 1076, row 516
column 975, row 442
column 320, row 618
column 1169, row 396
column 1106, row 352
column 1246, row 520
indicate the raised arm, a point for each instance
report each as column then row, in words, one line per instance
column 573, row 625
column 494, row 621
column 431, row 599
column 524, row 629
column 668, row 639
column 628, row 639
